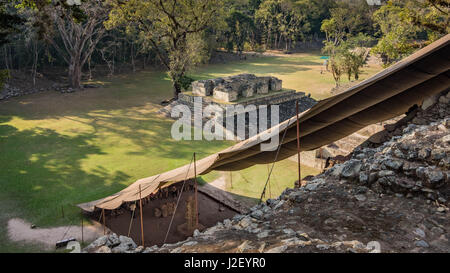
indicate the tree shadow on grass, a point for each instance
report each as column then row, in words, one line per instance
column 150, row 133
column 42, row 172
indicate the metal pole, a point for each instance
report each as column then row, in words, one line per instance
column 196, row 197
column 142, row 223
column 298, row 146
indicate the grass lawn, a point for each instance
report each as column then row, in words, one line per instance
column 248, row 184
column 58, row 150
column 300, row 72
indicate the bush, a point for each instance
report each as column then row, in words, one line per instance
column 186, row 82
column 259, row 48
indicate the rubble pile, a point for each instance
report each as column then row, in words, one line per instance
column 433, row 109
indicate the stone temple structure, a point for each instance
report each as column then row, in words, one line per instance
column 241, row 90
column 230, row 89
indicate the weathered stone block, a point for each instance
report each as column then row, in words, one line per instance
column 248, row 90
column 275, row 84
column 225, row 93
column 262, row 85
column 203, row 88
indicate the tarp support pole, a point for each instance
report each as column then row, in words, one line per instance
column 196, row 192
column 273, row 163
column 178, row 201
column 142, row 223
column 104, row 222
column 131, row 221
column 270, row 191
column 82, row 234
column 298, row 147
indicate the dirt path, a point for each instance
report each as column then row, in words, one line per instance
column 20, row 231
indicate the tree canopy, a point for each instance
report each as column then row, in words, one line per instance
column 180, row 34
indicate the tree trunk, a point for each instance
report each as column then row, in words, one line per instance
column 75, row 74
column 35, row 61
column 132, row 58
column 176, row 89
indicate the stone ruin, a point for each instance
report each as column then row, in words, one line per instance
column 232, row 88
column 240, row 90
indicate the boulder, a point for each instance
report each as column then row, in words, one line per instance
column 113, row 240
column 278, row 249
column 245, row 222
column 101, row 241
column 393, row 164
column 351, row 169
column 257, row 214
column 430, row 101
column 434, row 177
column 103, row 249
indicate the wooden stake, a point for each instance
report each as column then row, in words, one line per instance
column 104, row 222
column 62, row 211
column 196, row 198
column 298, row 147
column 142, row 222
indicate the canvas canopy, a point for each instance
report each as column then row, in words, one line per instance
column 387, row 94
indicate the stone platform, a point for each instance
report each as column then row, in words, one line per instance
column 244, row 90
column 232, row 88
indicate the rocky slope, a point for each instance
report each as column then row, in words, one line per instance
column 390, row 196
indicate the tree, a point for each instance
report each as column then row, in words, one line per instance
column 266, row 16
column 80, row 27
column 282, row 19
column 432, row 15
column 239, row 30
column 344, row 43
column 408, row 25
column 343, row 23
column 316, row 12
column 9, row 22
column 397, row 33
column 172, row 28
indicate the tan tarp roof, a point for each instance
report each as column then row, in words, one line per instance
column 388, row 94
